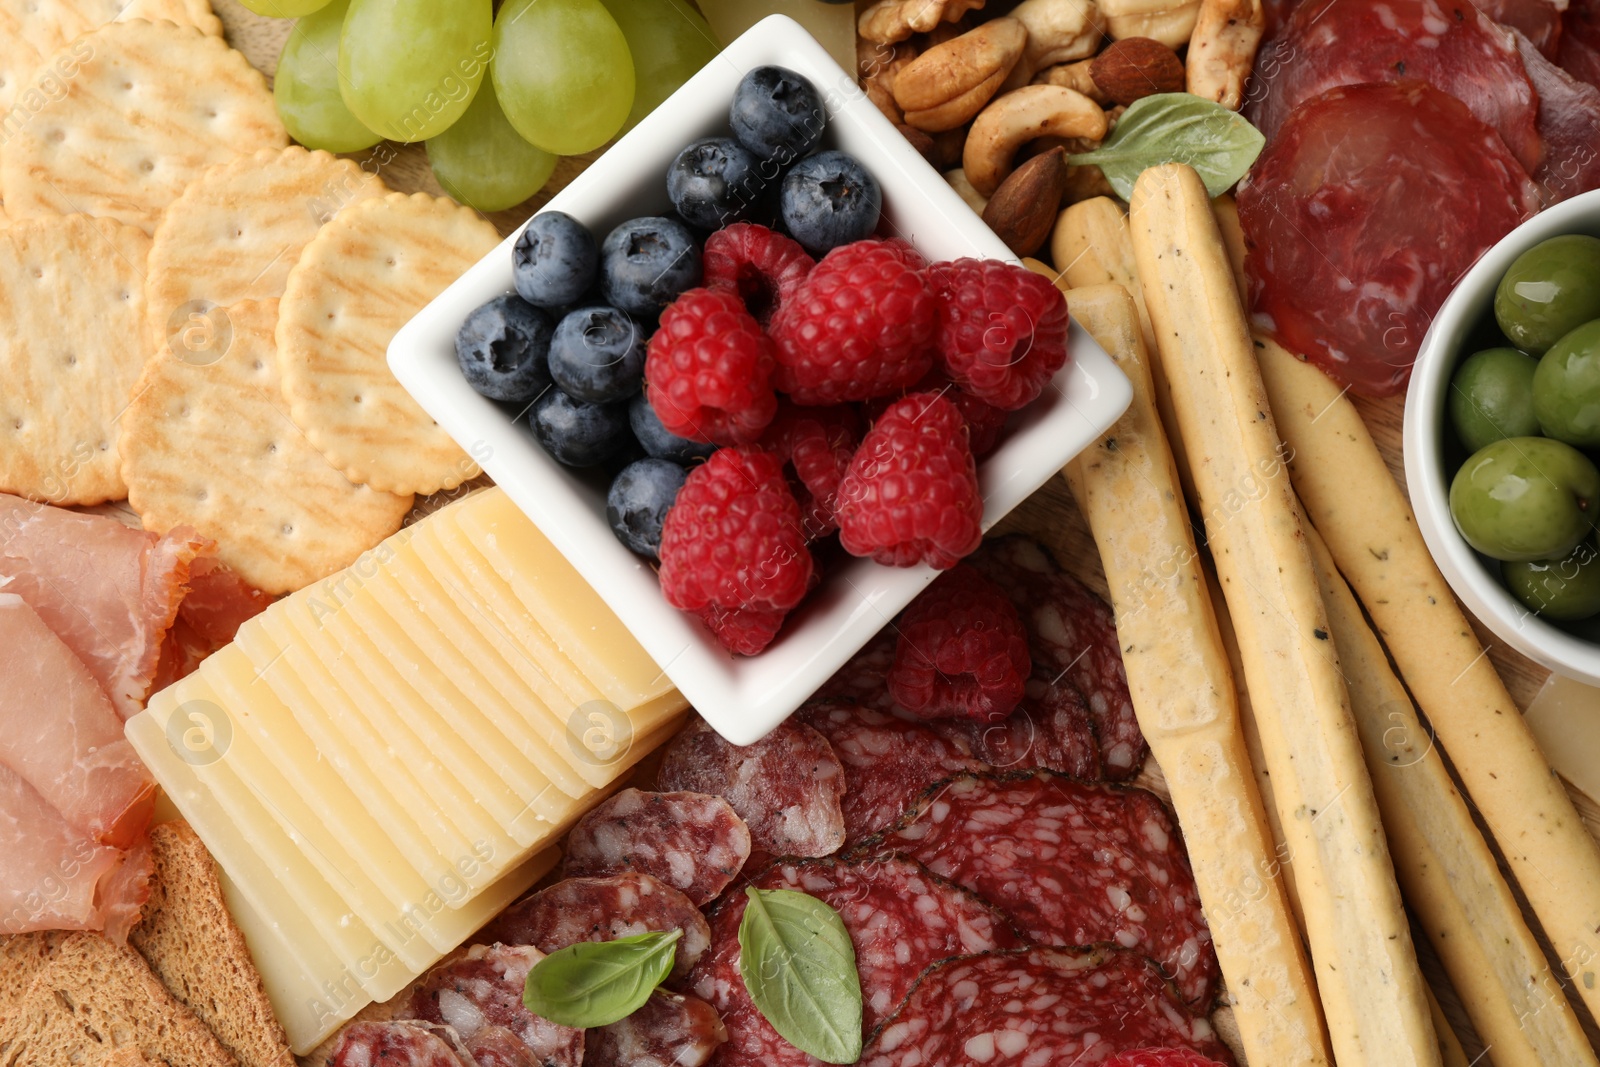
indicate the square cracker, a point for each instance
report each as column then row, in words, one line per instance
column 128, row 126
column 364, row 276
column 32, row 31
column 234, row 234
column 72, row 301
column 207, row 441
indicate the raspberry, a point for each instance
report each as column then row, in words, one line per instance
column 911, row 493
column 963, row 651
column 764, row 267
column 817, row 443
column 733, row 539
column 858, row 327
column 709, row 369
column 985, row 422
column 1160, row 1057
column 1002, row 329
column 743, row 631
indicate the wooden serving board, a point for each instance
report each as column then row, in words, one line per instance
column 1049, row 515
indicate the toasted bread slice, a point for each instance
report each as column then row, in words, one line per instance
column 92, row 999
column 22, row 957
column 193, row 946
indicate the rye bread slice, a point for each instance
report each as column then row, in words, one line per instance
column 22, row 957
column 193, row 946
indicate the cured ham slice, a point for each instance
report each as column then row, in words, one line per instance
column 1446, row 43
column 54, row 878
column 1569, row 121
column 1579, row 54
column 218, row 602
column 1361, row 214
column 110, row 592
column 59, row 733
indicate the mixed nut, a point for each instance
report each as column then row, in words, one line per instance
column 999, row 99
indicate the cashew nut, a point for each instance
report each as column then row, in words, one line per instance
column 949, row 83
column 1222, row 49
column 889, row 21
column 1016, row 118
column 958, row 181
column 1058, row 31
column 1172, row 26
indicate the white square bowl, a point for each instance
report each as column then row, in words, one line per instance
column 744, row 698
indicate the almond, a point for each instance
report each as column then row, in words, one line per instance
column 1136, row 67
column 1023, row 210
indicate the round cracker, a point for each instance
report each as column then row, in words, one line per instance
column 236, row 232
column 33, row 31
column 207, row 441
column 360, row 279
column 143, row 109
column 72, row 304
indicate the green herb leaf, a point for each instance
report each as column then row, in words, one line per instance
column 597, row 983
column 1177, row 128
column 800, row 968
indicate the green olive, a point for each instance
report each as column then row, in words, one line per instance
column 1565, row 590
column 1491, row 397
column 1550, row 289
column 1525, row 498
column 1566, row 388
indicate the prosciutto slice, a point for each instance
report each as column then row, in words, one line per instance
column 110, row 592
column 1579, row 54
column 59, row 733
column 1569, row 121
column 1537, row 20
column 53, row 877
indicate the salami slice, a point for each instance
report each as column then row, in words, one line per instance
column 1446, row 43
column 671, row 1030
column 398, row 1044
column 900, row 919
column 1038, row 1007
column 603, row 909
column 1072, row 634
column 1347, row 167
column 694, row 842
column 480, row 997
column 1537, row 20
column 787, row 786
column 888, row 762
column 1071, row 863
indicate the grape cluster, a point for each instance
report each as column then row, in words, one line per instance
column 497, row 98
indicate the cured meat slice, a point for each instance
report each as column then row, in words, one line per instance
column 603, row 909
column 1072, row 634
column 888, row 762
column 1347, row 261
column 1537, row 20
column 480, row 997
column 1071, row 863
column 1569, row 120
column 670, row 1030
column 55, row 878
column 59, row 733
column 398, row 1044
column 110, row 592
column 1579, row 54
column 1035, row 1007
column 900, row 918
column 219, row 602
column 787, row 786
column 694, row 842
column 1446, row 43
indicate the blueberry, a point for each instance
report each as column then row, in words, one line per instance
column 713, row 182
column 555, row 260
column 777, row 114
column 830, row 200
column 659, row 441
column 578, row 434
column 597, row 355
column 504, row 350
column 646, row 263
column 638, row 501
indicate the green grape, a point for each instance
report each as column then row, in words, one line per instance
column 669, row 41
column 307, row 86
column 563, row 73
column 284, row 9
column 409, row 68
column 483, row 162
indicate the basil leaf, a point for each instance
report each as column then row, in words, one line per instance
column 597, row 983
column 798, row 963
column 1177, row 128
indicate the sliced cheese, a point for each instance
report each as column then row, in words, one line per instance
column 1565, row 717
column 588, row 631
